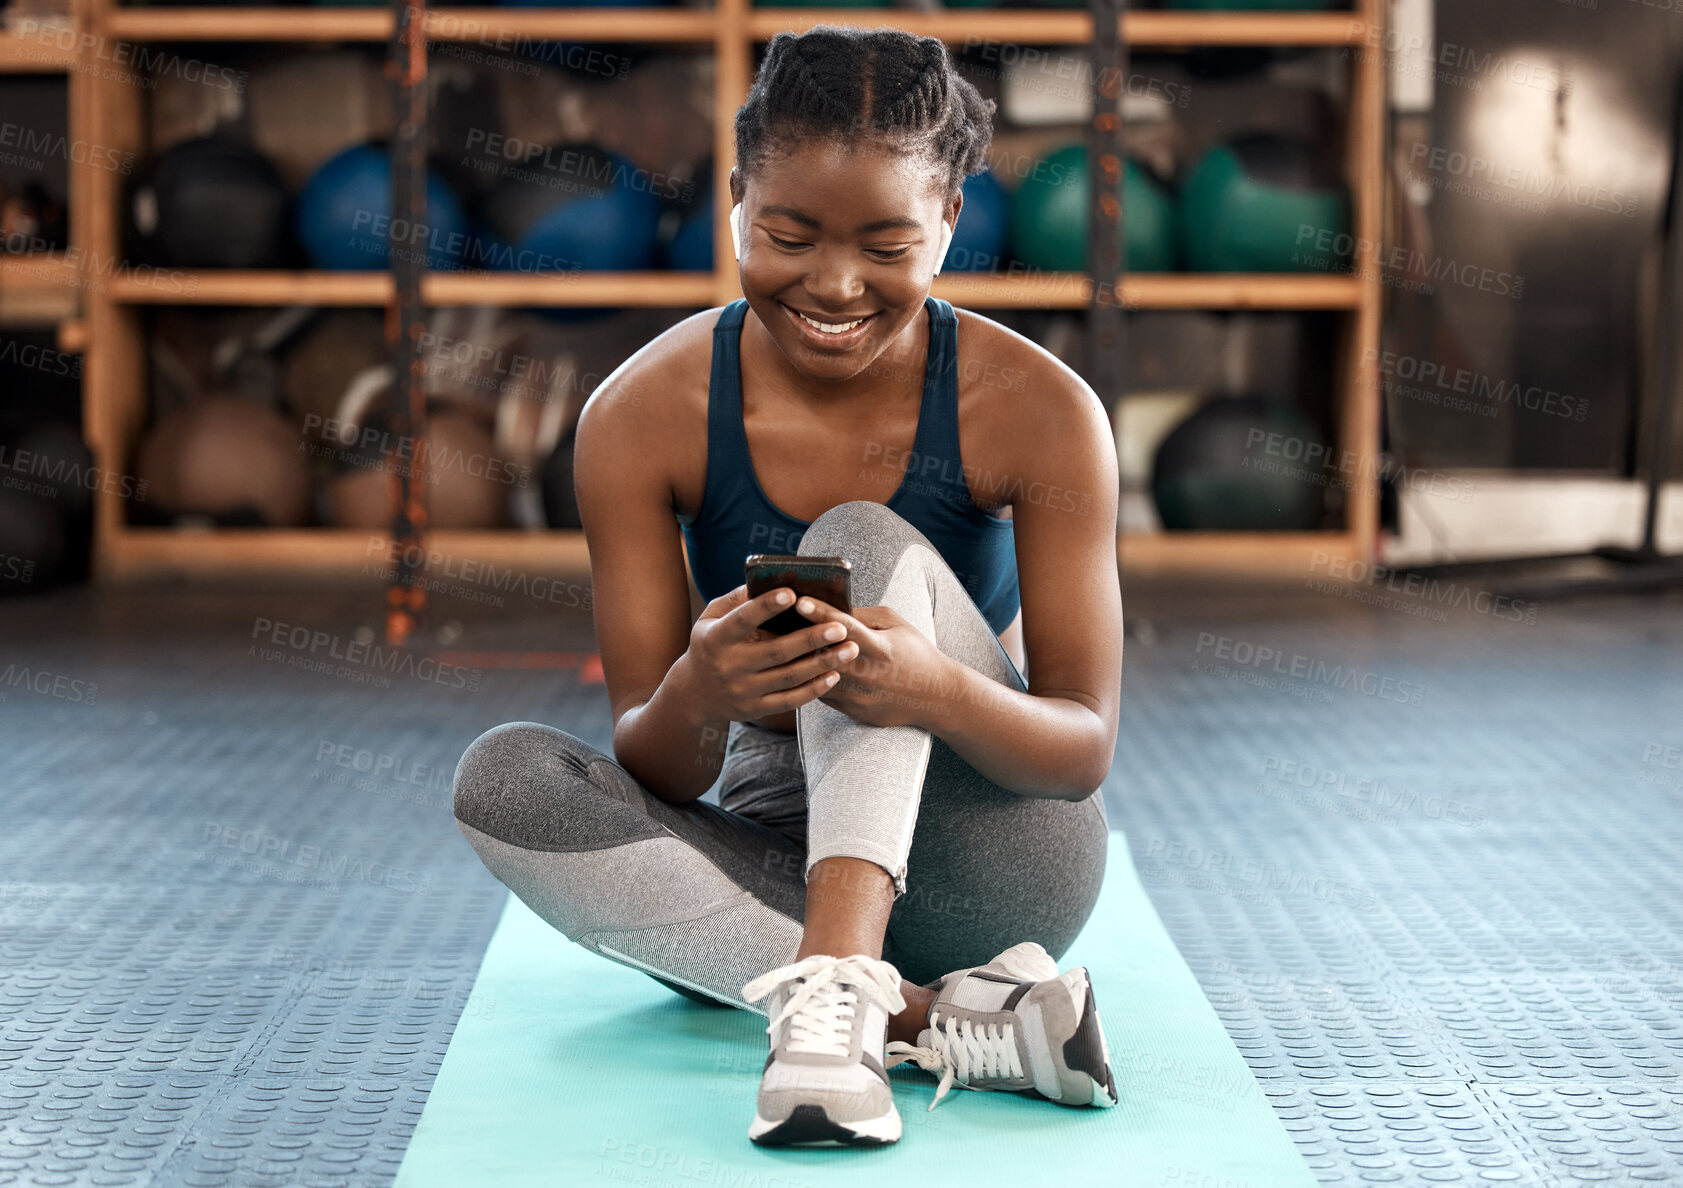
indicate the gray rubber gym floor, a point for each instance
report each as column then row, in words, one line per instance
column 1424, row 860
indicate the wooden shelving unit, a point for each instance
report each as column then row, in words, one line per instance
column 111, row 314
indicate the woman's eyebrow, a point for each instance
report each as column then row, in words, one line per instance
column 807, row 220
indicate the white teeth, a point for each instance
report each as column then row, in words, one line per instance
column 830, row 327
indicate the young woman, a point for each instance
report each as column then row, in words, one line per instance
column 909, row 831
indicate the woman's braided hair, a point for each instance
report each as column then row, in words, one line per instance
column 845, row 84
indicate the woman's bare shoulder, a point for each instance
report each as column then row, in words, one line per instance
column 1015, row 381
column 990, row 344
column 660, row 380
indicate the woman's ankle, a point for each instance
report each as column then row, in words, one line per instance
column 906, row 1025
column 847, row 905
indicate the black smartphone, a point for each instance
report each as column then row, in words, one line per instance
column 828, row 579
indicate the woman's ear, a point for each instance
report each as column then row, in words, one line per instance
column 736, row 196
column 947, row 235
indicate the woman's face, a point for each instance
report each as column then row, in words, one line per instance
column 842, row 235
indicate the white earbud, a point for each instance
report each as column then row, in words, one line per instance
column 946, row 242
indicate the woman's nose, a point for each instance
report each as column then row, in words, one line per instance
column 836, row 279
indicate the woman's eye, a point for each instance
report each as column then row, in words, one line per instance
column 880, row 253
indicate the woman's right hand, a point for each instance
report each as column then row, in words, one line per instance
column 743, row 674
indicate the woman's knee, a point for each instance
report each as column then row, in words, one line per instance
column 857, row 514
column 516, row 781
column 963, row 909
column 857, row 519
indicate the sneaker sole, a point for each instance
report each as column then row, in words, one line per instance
column 809, row 1125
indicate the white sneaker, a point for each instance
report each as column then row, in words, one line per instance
column 824, row 1081
column 1015, row 1025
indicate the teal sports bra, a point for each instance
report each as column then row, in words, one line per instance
column 736, row 519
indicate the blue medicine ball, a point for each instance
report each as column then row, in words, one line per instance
column 344, row 216
column 691, row 249
column 983, row 225
column 576, row 208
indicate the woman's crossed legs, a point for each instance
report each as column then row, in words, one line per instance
column 709, row 898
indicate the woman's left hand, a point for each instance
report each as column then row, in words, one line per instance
column 898, row 673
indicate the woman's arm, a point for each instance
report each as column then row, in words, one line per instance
column 640, row 593
column 667, row 745
column 1059, row 738
column 1035, row 744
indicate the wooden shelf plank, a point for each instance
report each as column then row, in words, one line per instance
column 440, row 288
column 1216, row 290
column 1073, row 27
column 1167, row 290
column 1176, row 29
column 340, row 552
column 331, row 552
column 497, row 30
column 505, row 29
column 36, row 48
column 1069, row 290
column 572, row 288
column 255, row 288
column 1144, row 30
column 250, row 24
column 1290, row 555
column 38, row 290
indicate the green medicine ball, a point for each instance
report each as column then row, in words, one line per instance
column 1049, row 216
column 1264, row 203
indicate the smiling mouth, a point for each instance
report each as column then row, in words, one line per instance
column 836, row 328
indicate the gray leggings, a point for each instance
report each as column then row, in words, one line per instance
column 706, row 897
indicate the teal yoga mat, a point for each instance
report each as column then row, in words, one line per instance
column 569, row 1069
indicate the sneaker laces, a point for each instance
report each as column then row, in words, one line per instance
column 961, row 1050
column 821, row 1009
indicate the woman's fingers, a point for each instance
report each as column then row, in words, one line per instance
column 755, row 611
column 801, row 693
column 813, row 666
column 780, row 649
column 721, row 606
column 815, row 688
column 823, row 612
